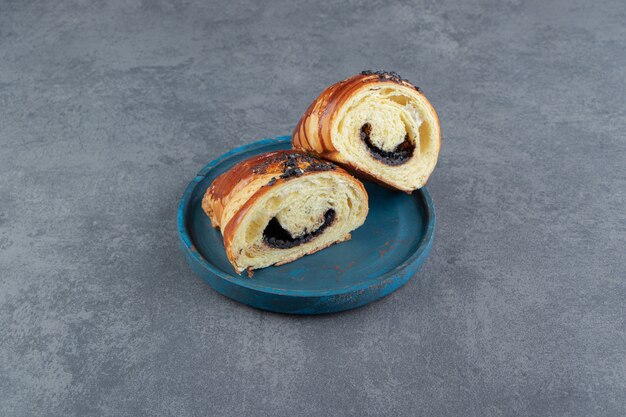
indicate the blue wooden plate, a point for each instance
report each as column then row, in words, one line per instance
column 382, row 255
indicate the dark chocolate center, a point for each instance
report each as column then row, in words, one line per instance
column 276, row 236
column 398, row 156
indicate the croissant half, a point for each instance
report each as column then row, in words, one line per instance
column 378, row 126
column 279, row 206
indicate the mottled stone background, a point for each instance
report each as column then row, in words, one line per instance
column 109, row 108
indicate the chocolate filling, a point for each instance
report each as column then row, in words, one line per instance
column 400, row 155
column 276, row 236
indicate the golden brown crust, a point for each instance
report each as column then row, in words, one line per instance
column 313, row 132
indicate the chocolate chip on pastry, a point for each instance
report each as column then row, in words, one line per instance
column 279, row 206
column 377, row 125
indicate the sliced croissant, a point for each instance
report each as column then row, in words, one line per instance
column 378, row 126
column 279, row 206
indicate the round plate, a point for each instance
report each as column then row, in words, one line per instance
column 381, row 256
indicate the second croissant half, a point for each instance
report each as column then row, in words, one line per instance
column 378, row 126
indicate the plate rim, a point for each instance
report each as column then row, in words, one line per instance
column 190, row 249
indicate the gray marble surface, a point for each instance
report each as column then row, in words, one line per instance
column 109, row 108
